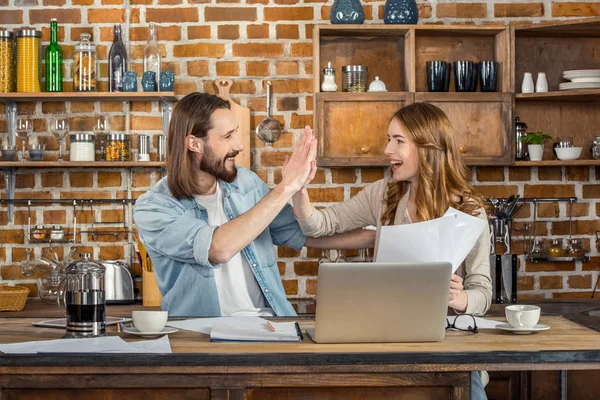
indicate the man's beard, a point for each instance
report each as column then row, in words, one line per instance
column 216, row 167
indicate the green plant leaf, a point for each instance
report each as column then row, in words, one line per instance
column 536, row 137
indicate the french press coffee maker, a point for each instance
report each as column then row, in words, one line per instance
column 520, row 132
column 84, row 299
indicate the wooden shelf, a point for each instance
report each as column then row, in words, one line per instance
column 557, row 163
column 586, row 95
column 89, row 96
column 77, row 164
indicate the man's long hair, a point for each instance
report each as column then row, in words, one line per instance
column 191, row 116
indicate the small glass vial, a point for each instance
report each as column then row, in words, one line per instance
column 556, row 248
column 538, row 250
column 576, row 249
column 595, row 148
column 57, row 233
column 83, row 147
column 354, row 78
column 328, row 84
column 38, row 232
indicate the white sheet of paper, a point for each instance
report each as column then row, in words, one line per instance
column 464, row 322
column 204, row 325
column 448, row 238
column 92, row 345
column 160, row 345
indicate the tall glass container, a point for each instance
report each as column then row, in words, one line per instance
column 152, row 52
column 7, row 62
column 85, row 76
column 29, row 60
column 117, row 62
column 54, row 61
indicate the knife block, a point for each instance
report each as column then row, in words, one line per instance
column 151, row 296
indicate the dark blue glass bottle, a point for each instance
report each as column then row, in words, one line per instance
column 400, row 12
column 347, row 12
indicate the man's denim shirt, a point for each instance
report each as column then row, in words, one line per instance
column 177, row 237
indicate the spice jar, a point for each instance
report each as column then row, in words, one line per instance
column 354, row 78
column 117, row 147
column 85, row 75
column 38, row 232
column 57, row 233
column 328, row 84
column 82, row 146
column 556, row 248
column 538, row 250
column 595, row 148
column 576, row 248
column 28, row 60
column 7, row 62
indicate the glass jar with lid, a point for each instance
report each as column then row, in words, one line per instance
column 82, row 146
column 118, row 147
column 49, row 286
column 57, row 233
column 576, row 248
column 538, row 250
column 85, row 75
column 556, row 248
column 354, row 78
column 595, row 148
column 328, row 84
column 38, row 232
column 29, row 60
column 7, row 62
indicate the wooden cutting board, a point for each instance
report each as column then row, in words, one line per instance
column 242, row 114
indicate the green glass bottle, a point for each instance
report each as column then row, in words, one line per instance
column 54, row 61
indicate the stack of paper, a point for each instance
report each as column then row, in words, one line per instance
column 446, row 239
column 107, row 344
column 254, row 330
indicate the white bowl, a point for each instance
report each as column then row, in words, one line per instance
column 149, row 321
column 568, row 153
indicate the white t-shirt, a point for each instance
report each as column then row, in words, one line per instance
column 239, row 293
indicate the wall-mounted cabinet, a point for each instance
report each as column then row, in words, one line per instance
column 351, row 126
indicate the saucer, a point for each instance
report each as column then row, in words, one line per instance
column 522, row 331
column 134, row 331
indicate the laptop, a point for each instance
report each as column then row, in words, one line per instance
column 381, row 302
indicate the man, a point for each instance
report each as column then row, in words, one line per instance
column 209, row 227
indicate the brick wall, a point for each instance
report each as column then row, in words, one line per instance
column 251, row 41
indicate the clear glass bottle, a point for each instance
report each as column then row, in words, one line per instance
column 152, row 52
column 54, row 61
column 117, row 62
column 85, row 77
column 328, row 84
column 595, row 148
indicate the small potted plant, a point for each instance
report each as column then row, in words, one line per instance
column 535, row 144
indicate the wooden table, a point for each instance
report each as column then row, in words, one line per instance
column 200, row 369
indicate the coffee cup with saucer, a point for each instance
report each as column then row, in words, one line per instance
column 149, row 324
column 522, row 320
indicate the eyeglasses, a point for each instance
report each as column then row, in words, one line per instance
column 463, row 322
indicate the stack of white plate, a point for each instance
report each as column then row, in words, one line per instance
column 581, row 79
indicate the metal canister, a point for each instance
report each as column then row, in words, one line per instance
column 7, row 62
column 520, row 132
column 162, row 148
column 354, row 78
column 143, row 148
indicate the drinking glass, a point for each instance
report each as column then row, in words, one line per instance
column 24, row 129
column 59, row 126
column 100, row 129
column 324, row 257
column 341, row 258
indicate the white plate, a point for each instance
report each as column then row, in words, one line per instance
column 578, row 85
column 522, row 331
column 580, row 72
column 134, row 331
column 594, row 79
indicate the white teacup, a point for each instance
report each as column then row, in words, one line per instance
column 149, row 321
column 519, row 316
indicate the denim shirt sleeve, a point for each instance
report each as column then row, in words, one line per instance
column 284, row 229
column 165, row 228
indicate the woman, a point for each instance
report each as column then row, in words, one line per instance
column 427, row 177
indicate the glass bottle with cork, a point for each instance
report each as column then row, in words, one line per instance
column 54, row 61
column 152, row 52
column 117, row 61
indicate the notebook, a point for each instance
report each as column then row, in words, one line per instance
column 254, row 329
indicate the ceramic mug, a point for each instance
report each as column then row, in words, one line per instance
column 149, row 321
column 520, row 316
column 149, row 81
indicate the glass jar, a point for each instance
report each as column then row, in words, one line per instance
column 57, row 233
column 49, row 287
column 595, row 148
column 538, row 250
column 562, row 142
column 7, row 62
column 556, row 248
column 328, row 84
column 38, row 232
column 29, row 60
column 118, row 147
column 576, row 248
column 86, row 71
column 354, row 78
column 82, row 146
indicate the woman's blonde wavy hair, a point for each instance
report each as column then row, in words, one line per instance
column 443, row 178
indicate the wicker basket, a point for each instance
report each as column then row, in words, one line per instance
column 13, row 298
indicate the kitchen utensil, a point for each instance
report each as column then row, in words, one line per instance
column 118, row 284
column 269, row 128
column 242, row 115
